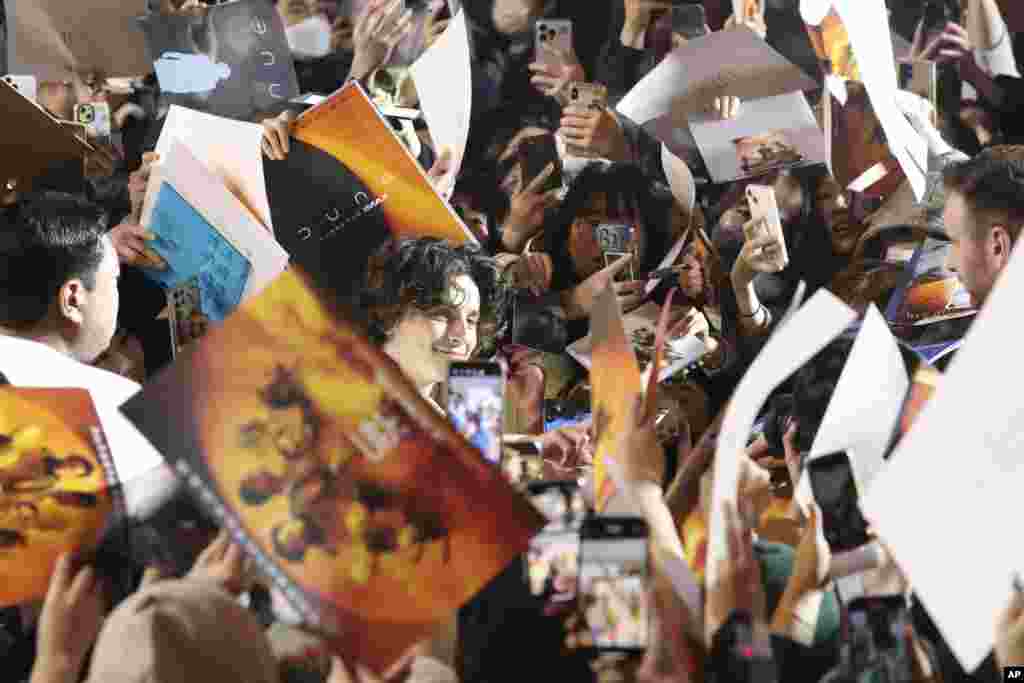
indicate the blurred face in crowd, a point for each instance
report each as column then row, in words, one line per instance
column 834, row 208
column 423, row 343
column 91, row 314
column 513, row 17
column 977, row 262
column 584, row 250
column 58, row 98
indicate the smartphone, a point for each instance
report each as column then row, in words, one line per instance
column 765, row 219
column 535, row 154
column 476, row 405
column 95, row 116
column 936, row 15
column 552, row 560
column 689, row 21
column 28, row 86
column 589, row 96
column 611, row 602
column 551, row 33
column 877, row 637
column 560, row 413
column 835, row 490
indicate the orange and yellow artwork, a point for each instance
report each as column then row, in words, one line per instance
column 369, row 511
column 55, row 485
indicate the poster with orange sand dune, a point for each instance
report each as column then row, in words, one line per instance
column 58, row 488
column 374, row 518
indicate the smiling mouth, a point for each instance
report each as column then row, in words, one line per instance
column 450, row 353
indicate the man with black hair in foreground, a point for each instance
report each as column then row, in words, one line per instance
column 58, row 312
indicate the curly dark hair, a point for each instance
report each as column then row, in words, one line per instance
column 417, row 273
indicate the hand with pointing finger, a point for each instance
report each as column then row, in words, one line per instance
column 582, row 297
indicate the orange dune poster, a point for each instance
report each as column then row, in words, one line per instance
column 58, row 488
column 373, row 517
column 348, row 126
column 615, row 384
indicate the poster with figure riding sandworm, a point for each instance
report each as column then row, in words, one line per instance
column 370, row 514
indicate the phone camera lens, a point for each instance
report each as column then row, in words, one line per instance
column 575, row 94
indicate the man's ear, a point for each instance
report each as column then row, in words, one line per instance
column 70, row 301
column 1000, row 244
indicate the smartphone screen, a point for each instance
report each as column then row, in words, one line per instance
column 552, row 561
column 476, row 405
column 835, row 491
column 881, row 621
column 535, row 154
column 561, row 413
column 611, row 601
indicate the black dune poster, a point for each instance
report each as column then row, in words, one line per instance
column 232, row 61
column 324, row 216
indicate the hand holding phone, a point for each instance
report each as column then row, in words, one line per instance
column 476, row 405
column 536, row 153
column 766, row 225
column 835, row 490
column 612, row 610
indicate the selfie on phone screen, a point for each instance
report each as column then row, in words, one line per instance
column 612, row 579
column 552, row 561
column 475, row 405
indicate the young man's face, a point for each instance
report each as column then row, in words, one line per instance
column 424, row 343
column 974, row 260
column 97, row 319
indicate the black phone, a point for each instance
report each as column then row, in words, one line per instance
column 689, row 21
column 552, row 561
column 476, row 405
column 877, row 638
column 937, row 13
column 835, row 490
column 535, row 154
column 611, row 600
column 560, row 413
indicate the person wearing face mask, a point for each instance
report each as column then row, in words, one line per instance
column 430, row 304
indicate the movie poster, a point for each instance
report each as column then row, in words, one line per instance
column 59, row 491
column 369, row 512
column 233, row 60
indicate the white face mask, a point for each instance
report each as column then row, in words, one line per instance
column 310, row 38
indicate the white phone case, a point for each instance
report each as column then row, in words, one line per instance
column 554, row 32
column 28, row 86
column 764, row 212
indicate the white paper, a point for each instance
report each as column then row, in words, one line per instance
column 734, row 62
column 310, row 38
column 813, row 326
column 867, row 401
column 947, row 503
column 444, row 83
column 230, row 149
column 679, row 353
column 788, row 115
column 813, row 12
column 867, row 23
column 207, row 194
